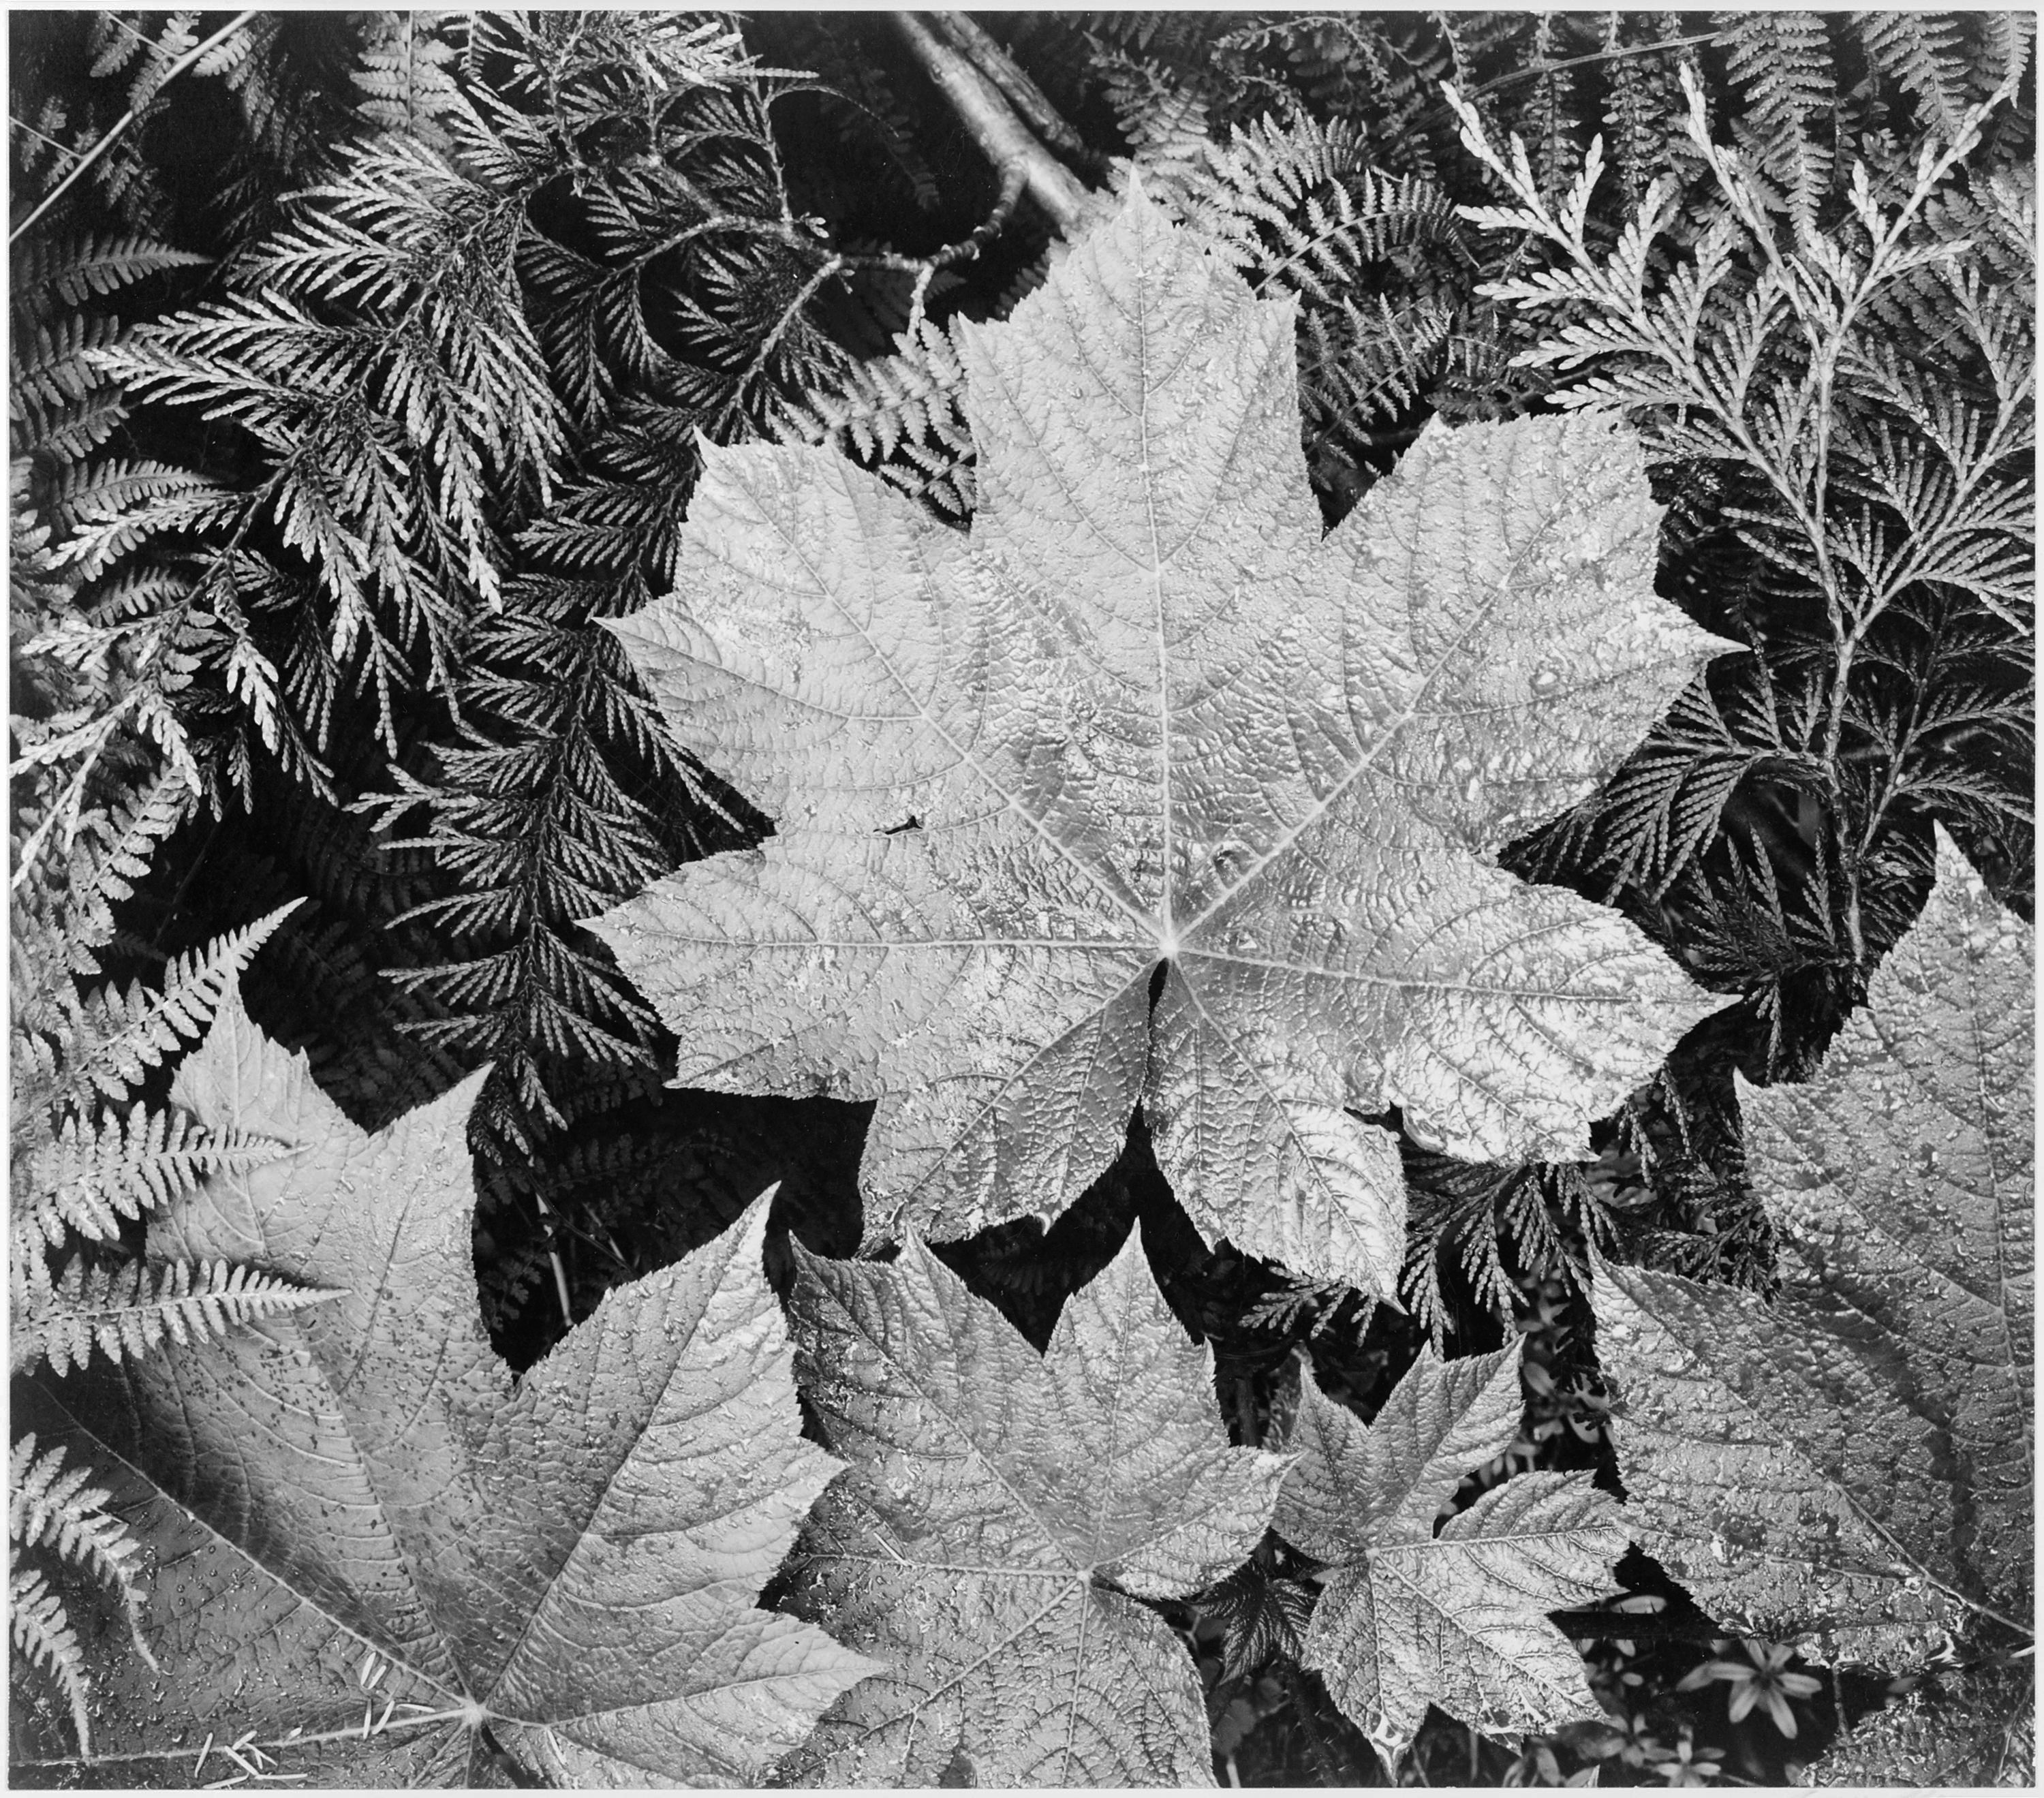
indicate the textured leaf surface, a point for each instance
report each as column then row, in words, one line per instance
column 1409, row 1617
column 1977, row 1728
column 1002, row 1508
column 1146, row 721
column 1854, row 1461
column 354, row 1507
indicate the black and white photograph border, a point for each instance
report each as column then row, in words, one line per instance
column 1038, row 899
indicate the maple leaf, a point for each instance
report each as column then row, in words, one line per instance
column 1145, row 792
column 1410, row 1617
column 381, row 1558
column 1005, row 1511
column 1852, row 1462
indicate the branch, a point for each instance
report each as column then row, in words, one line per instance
column 1026, row 96
column 1008, row 143
column 128, row 118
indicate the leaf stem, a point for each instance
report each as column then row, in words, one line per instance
column 276, row 1745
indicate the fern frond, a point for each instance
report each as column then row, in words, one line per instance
column 1380, row 73
column 1361, row 365
column 1547, row 119
column 1163, row 118
column 70, row 914
column 1374, row 259
column 1927, row 54
column 690, row 307
column 113, row 1037
column 43, row 1632
column 69, row 271
column 1296, row 208
column 126, row 1310
column 901, row 415
column 1643, row 105
column 49, row 1507
column 406, row 79
column 1784, row 61
column 94, row 1174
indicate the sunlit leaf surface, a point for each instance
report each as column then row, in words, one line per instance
column 1147, row 792
column 1003, row 1513
column 378, row 1558
column 1411, row 1616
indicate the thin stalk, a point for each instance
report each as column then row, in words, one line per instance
column 127, row 119
column 1540, row 68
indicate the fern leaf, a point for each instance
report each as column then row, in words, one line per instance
column 1297, row 207
column 1164, row 119
column 1643, row 105
column 405, row 79
column 1784, row 61
column 52, row 377
column 94, row 1175
column 49, row 1507
column 71, row 913
column 43, row 1632
column 123, row 1311
column 1548, row 123
column 901, row 415
column 115, row 1037
column 1927, row 53
column 71, row 271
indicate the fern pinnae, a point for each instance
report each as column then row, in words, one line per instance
column 899, row 414
column 70, row 271
column 42, row 1631
column 94, row 1174
column 126, row 1309
column 112, row 1037
column 49, row 1507
column 1784, row 59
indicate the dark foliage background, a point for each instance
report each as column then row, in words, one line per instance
column 408, row 326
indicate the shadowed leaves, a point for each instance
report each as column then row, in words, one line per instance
column 1854, row 1461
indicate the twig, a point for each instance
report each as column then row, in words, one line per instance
column 1023, row 94
column 1008, row 143
column 554, row 1256
column 1533, row 69
column 128, row 118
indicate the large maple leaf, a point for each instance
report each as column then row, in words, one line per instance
column 1004, row 1511
column 1145, row 792
column 1412, row 1616
column 380, row 1559
column 1852, row 1463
